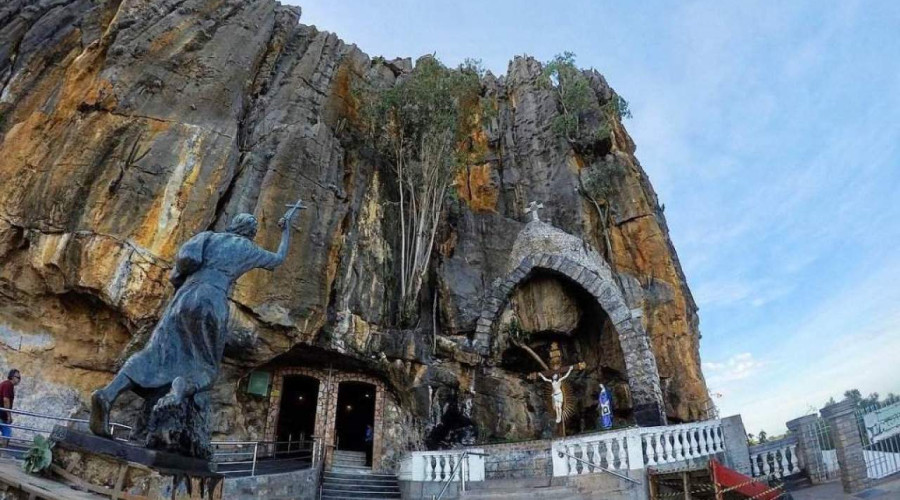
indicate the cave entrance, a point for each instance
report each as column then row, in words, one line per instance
column 355, row 420
column 335, row 426
column 552, row 321
column 297, row 411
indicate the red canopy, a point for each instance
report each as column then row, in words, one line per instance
column 727, row 480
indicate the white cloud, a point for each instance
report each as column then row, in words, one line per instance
column 737, row 367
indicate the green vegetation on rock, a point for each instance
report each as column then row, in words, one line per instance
column 581, row 113
column 421, row 126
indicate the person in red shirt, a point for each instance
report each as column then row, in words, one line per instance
column 7, row 395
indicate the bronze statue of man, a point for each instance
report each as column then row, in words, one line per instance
column 180, row 362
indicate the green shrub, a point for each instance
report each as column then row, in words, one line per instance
column 39, row 456
column 581, row 114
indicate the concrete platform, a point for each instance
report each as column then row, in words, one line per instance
column 833, row 491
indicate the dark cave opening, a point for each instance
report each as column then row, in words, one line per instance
column 593, row 341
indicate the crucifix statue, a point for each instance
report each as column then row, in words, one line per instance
column 556, row 383
column 533, row 208
column 176, row 369
column 551, row 376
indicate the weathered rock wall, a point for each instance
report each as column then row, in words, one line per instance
column 127, row 126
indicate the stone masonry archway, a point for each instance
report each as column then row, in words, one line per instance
column 571, row 257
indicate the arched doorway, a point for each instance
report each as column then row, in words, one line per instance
column 355, row 419
column 297, row 412
column 332, row 427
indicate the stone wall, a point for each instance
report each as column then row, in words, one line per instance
column 301, row 484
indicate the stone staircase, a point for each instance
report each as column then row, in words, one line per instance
column 350, row 478
column 520, row 489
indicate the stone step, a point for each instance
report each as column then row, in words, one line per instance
column 367, row 495
column 330, row 493
column 341, row 462
column 356, row 475
column 348, row 486
column 351, row 469
column 349, row 463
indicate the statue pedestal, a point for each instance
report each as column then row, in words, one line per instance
column 122, row 470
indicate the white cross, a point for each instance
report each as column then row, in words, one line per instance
column 533, row 208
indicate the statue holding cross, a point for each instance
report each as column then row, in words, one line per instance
column 176, row 369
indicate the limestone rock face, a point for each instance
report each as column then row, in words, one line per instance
column 128, row 126
column 545, row 305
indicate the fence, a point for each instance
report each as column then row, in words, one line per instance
column 776, row 458
column 607, row 452
column 251, row 458
column 879, row 429
column 437, row 466
column 234, row 458
column 29, row 424
column 636, row 448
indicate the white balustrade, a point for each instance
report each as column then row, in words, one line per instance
column 776, row 458
column 628, row 449
column 677, row 443
column 437, row 466
column 592, row 453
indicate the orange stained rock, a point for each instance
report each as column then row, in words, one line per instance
column 475, row 186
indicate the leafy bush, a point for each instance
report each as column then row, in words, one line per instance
column 421, row 126
column 39, row 456
column 582, row 115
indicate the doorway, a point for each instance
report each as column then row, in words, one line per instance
column 355, row 417
column 297, row 414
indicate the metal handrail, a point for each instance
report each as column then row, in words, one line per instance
column 462, row 478
column 112, row 425
column 596, row 466
column 254, row 455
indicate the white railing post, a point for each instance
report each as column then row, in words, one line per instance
column 635, row 451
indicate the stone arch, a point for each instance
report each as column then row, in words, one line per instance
column 640, row 362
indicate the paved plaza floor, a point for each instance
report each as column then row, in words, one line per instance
column 834, row 491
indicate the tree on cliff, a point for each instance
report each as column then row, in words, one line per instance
column 421, row 125
column 585, row 120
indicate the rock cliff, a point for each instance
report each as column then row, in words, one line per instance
column 127, row 126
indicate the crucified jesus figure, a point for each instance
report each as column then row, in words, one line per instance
column 557, row 391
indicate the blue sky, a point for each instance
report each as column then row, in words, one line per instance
column 771, row 131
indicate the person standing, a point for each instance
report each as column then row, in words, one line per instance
column 7, row 396
column 370, row 435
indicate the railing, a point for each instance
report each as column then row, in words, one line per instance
column 636, row 448
column 607, row 452
column 880, row 435
column 676, row 443
column 440, row 466
column 461, row 469
column 244, row 457
column 593, row 467
column 775, row 458
column 43, row 424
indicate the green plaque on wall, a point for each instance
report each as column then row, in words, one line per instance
column 258, row 385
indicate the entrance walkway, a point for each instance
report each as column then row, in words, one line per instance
column 834, row 491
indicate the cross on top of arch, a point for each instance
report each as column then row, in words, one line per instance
column 533, row 208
